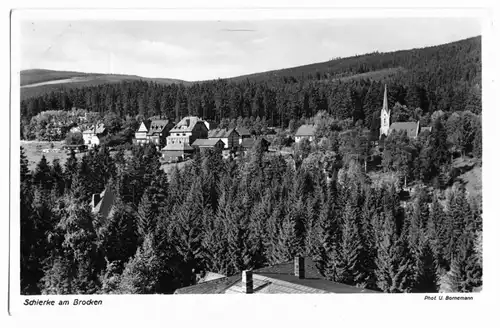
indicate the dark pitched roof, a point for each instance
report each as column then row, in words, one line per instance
column 410, row 128
column 425, row 129
column 206, row 142
column 147, row 123
column 187, row 124
column 157, row 126
column 220, row 133
column 276, row 279
column 96, row 129
column 249, row 142
column 105, row 207
column 305, row 130
column 243, row 131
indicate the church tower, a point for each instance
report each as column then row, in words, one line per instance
column 385, row 116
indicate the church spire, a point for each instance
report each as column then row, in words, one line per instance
column 385, row 106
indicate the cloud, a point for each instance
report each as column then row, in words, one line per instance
column 158, row 49
column 260, row 40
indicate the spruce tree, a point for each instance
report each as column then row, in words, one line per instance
column 141, row 273
column 393, row 267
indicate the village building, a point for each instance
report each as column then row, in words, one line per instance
column 248, row 144
column 211, row 125
column 94, row 135
column 153, row 131
column 103, row 204
column 243, row 133
column 177, row 151
column 305, row 131
column 182, row 136
column 412, row 129
column 230, row 137
column 300, row 276
column 141, row 135
column 203, row 144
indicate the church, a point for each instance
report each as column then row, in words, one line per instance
column 412, row 129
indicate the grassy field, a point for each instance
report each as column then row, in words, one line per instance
column 34, row 151
column 36, row 82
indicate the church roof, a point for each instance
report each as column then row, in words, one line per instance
column 411, row 128
column 305, row 130
column 385, row 106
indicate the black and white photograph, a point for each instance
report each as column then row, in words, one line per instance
column 250, row 156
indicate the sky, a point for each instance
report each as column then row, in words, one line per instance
column 201, row 50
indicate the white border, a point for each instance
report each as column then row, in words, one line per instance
column 297, row 310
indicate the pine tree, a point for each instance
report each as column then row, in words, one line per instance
column 141, row 273
column 118, row 237
column 393, row 269
column 465, row 272
column 349, row 268
column 146, row 216
column 42, row 176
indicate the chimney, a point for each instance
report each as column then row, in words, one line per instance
column 299, row 267
column 247, row 282
column 95, row 200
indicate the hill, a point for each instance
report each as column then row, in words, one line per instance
column 355, row 65
column 36, row 82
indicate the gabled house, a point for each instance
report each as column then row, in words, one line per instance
column 182, row 135
column 187, row 131
column 141, row 135
column 300, row 276
column 94, row 135
column 103, row 204
column 153, row 131
column 177, row 151
column 211, row 125
column 204, row 144
column 230, row 137
column 248, row 144
column 305, row 131
column 244, row 133
column 158, row 131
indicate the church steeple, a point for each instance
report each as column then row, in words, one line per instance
column 385, row 107
column 385, row 115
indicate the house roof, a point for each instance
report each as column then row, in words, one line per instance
column 177, row 146
column 221, row 133
column 209, row 276
column 243, row 131
column 147, row 124
column 249, row 142
column 96, row 129
column 157, row 126
column 105, row 207
column 186, row 124
column 426, row 128
column 411, row 128
column 206, row 142
column 305, row 130
column 217, row 286
column 276, row 279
